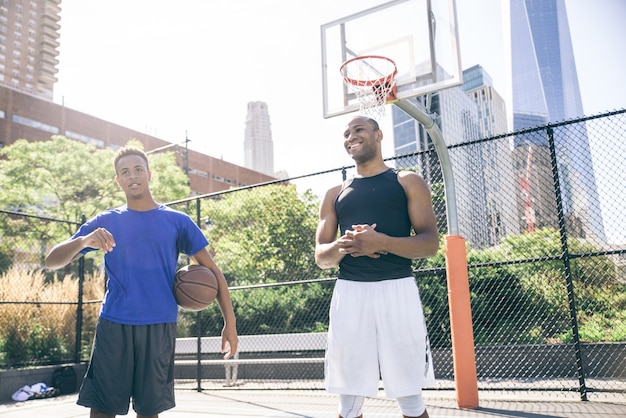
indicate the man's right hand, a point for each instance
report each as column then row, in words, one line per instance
column 101, row 239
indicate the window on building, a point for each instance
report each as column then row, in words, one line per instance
column 35, row 124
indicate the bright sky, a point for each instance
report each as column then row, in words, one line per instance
column 191, row 66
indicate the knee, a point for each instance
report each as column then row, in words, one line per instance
column 351, row 406
column 413, row 406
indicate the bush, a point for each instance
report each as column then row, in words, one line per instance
column 40, row 326
column 272, row 310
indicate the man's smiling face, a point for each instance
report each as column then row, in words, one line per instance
column 361, row 139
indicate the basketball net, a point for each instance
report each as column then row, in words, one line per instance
column 372, row 79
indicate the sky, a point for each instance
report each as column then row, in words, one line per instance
column 189, row 71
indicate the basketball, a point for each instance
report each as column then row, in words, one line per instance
column 195, row 287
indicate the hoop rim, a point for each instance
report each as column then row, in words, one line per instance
column 369, row 83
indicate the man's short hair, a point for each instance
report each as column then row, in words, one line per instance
column 374, row 123
column 369, row 120
column 129, row 150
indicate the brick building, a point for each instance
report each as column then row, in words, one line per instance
column 24, row 116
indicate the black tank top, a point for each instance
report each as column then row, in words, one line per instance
column 381, row 200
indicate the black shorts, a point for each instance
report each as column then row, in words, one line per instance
column 130, row 362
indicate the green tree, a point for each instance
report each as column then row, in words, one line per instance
column 59, row 178
column 534, row 297
column 261, row 236
column 64, row 179
column 264, row 235
column 527, row 301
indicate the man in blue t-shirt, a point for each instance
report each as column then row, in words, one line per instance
column 377, row 325
column 133, row 350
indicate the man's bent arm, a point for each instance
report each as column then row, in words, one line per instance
column 327, row 254
column 64, row 253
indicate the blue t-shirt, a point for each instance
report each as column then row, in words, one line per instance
column 142, row 265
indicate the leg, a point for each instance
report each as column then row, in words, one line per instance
column 97, row 414
column 424, row 415
column 153, row 386
column 413, row 406
column 351, row 359
column 405, row 357
column 351, row 406
column 106, row 388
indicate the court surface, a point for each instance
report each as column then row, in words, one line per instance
column 319, row 404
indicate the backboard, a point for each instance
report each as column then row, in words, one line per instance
column 420, row 36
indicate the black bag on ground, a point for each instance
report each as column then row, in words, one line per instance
column 64, row 379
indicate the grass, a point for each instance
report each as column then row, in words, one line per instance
column 38, row 316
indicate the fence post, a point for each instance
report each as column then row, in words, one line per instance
column 461, row 329
column 198, row 318
column 79, row 305
column 198, row 352
column 580, row 369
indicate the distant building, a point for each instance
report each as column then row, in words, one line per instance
column 545, row 89
column 23, row 116
column 500, row 190
column 29, row 33
column 457, row 117
column 491, row 107
column 470, row 112
column 257, row 145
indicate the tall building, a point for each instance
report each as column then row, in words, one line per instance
column 478, row 85
column 472, row 111
column 545, row 89
column 29, row 33
column 500, row 187
column 462, row 116
column 258, row 146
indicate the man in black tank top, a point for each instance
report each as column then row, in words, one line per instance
column 372, row 226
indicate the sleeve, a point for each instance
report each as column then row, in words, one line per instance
column 86, row 229
column 193, row 240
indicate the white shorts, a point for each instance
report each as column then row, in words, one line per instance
column 377, row 329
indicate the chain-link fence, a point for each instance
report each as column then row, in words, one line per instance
column 543, row 213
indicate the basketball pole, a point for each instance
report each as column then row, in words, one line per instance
column 456, row 270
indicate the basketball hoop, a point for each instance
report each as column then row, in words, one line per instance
column 372, row 79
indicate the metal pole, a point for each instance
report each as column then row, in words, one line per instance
column 198, row 321
column 79, row 307
column 459, row 300
column 198, row 352
column 580, row 367
column 418, row 112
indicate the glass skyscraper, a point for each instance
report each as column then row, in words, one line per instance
column 545, row 84
column 545, row 89
column 465, row 113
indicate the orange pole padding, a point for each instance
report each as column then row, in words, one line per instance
column 461, row 323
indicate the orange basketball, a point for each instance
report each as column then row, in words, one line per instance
column 195, row 287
